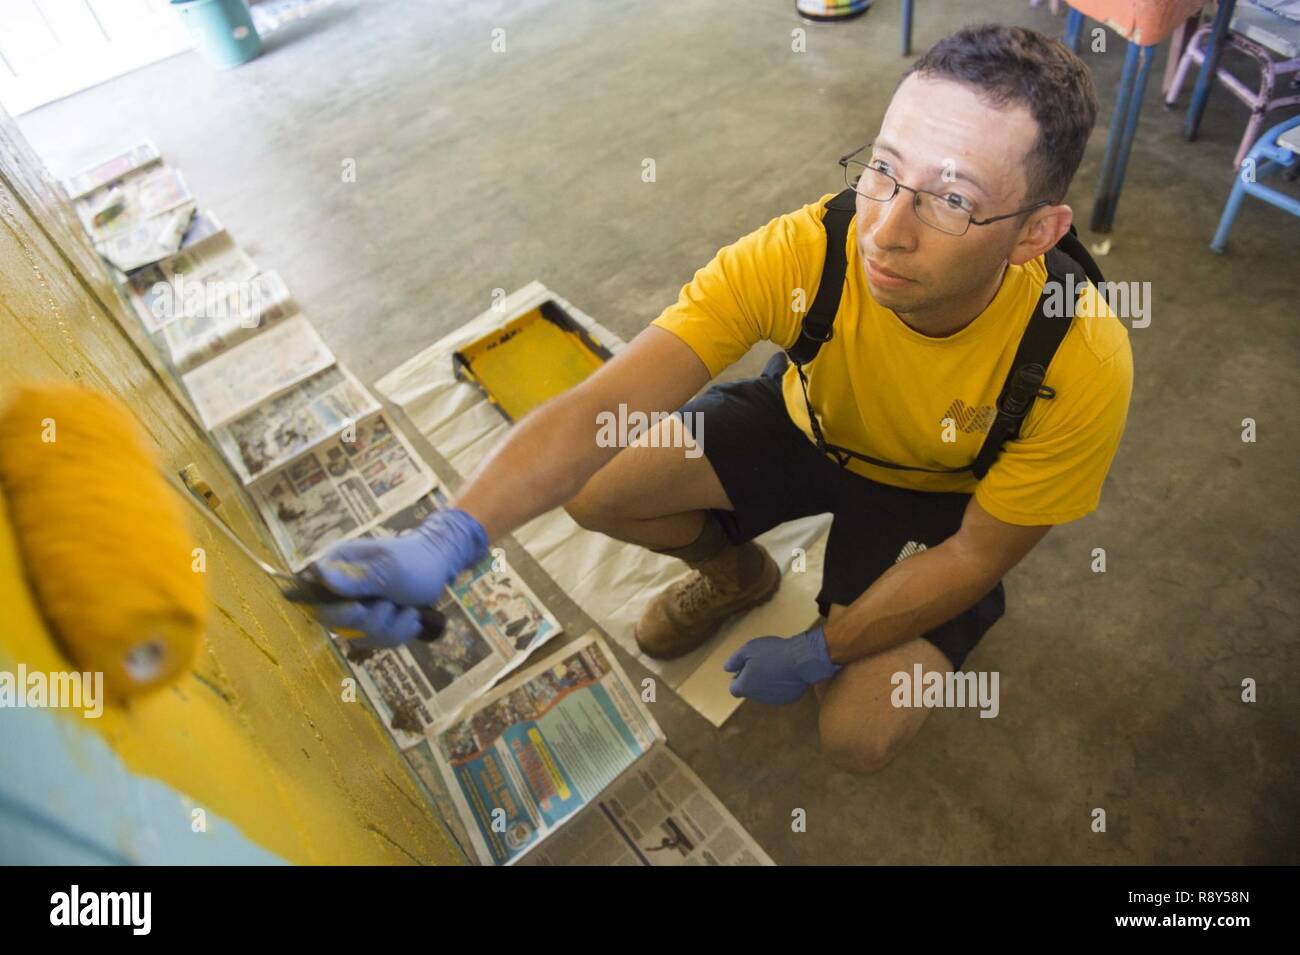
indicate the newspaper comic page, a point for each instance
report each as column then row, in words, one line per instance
column 494, row 621
column 274, row 433
column 340, row 489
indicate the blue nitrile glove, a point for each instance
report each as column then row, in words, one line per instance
column 406, row 572
column 779, row 670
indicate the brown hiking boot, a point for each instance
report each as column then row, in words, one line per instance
column 693, row 608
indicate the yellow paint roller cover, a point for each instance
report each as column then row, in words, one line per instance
column 103, row 537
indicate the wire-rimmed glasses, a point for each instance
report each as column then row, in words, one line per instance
column 950, row 214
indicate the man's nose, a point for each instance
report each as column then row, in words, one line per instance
column 895, row 223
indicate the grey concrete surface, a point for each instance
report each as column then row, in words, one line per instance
column 479, row 170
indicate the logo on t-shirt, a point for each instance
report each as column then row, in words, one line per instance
column 910, row 548
column 971, row 420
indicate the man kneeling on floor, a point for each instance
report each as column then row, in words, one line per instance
column 910, row 402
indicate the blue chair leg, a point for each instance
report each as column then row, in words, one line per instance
column 1147, row 56
column 1102, row 200
column 1209, row 68
column 907, row 27
column 1073, row 30
column 1230, row 211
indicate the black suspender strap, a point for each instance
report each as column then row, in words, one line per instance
column 1077, row 253
column 819, row 320
column 1043, row 335
column 1024, row 383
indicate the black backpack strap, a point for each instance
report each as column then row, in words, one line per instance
column 1075, row 250
column 819, row 320
column 1038, row 345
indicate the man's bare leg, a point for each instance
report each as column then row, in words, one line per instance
column 652, row 496
column 861, row 730
column 658, row 493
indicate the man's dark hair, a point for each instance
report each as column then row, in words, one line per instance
column 1013, row 66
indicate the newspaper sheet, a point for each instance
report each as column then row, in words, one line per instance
column 216, row 258
column 239, row 379
column 88, row 180
column 498, row 600
column 535, row 751
column 140, row 218
column 494, row 621
column 202, row 225
column 246, row 309
column 208, row 278
column 148, row 241
column 130, row 201
column 141, row 285
column 340, row 489
column 658, row 813
column 276, row 432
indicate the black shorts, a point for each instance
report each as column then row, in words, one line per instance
column 773, row 474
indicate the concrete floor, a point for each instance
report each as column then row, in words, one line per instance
column 479, row 170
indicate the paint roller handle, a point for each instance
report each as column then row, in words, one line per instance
column 307, row 588
column 406, row 572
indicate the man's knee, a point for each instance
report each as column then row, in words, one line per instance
column 583, row 510
column 592, row 510
column 860, row 750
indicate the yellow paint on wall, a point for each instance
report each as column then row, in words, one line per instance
column 259, row 732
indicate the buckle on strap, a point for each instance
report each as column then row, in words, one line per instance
column 840, row 457
column 1024, row 387
column 805, row 332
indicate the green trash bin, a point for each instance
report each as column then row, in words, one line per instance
column 222, row 30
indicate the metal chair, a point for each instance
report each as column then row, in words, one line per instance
column 1260, row 35
column 1278, row 150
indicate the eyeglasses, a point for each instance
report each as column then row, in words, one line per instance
column 950, row 214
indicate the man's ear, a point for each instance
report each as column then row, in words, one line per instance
column 1040, row 232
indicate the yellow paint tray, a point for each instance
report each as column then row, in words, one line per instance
column 532, row 359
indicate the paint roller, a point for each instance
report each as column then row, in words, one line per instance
column 105, row 545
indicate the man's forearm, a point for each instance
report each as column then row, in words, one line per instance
column 551, row 453
column 911, row 598
column 541, row 464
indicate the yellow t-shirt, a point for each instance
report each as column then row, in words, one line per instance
column 883, row 389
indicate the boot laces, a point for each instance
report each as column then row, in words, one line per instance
column 697, row 592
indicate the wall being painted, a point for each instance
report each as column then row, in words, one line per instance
column 258, row 736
